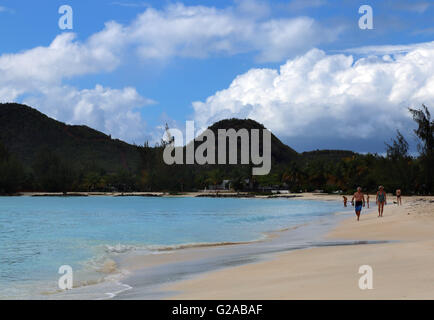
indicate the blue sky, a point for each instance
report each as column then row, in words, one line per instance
column 303, row 68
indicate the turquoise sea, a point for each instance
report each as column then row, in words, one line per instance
column 40, row 234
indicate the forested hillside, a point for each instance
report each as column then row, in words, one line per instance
column 38, row 153
column 27, row 133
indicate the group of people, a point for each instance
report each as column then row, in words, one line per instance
column 380, row 200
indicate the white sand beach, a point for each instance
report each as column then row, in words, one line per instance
column 402, row 268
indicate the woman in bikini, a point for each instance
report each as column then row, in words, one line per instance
column 381, row 200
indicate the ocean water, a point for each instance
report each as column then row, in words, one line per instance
column 40, row 234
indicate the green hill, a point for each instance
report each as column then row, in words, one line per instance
column 280, row 152
column 25, row 132
column 42, row 154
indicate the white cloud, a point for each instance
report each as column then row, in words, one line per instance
column 390, row 49
column 113, row 111
column 38, row 75
column 199, row 31
column 318, row 95
column 63, row 58
column 177, row 30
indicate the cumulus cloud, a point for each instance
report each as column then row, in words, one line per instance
column 113, row 111
column 63, row 58
column 199, row 31
column 38, row 76
column 319, row 96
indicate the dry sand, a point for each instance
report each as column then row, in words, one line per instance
column 402, row 269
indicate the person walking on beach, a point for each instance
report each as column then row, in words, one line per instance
column 398, row 197
column 345, row 201
column 360, row 202
column 381, row 200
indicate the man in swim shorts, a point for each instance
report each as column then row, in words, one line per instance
column 360, row 202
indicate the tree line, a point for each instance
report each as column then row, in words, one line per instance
column 396, row 169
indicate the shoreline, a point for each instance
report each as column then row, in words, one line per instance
column 145, row 274
column 255, row 250
column 192, row 262
column 402, row 265
column 198, row 194
column 344, row 240
column 116, row 271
